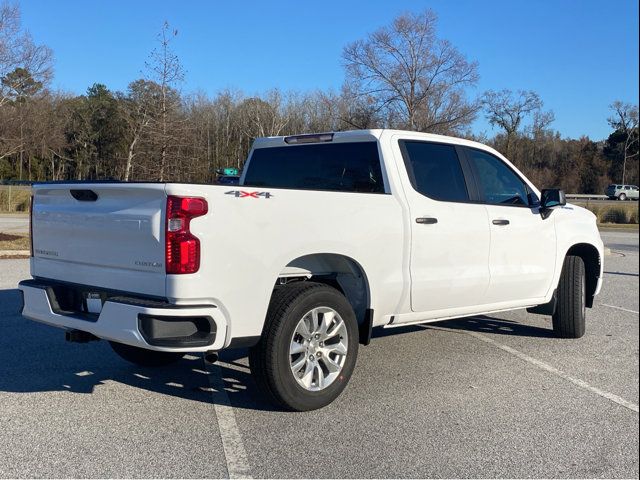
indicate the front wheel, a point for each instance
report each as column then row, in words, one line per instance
column 569, row 317
column 308, row 348
column 144, row 357
column 622, row 197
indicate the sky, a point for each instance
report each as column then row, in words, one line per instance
column 579, row 55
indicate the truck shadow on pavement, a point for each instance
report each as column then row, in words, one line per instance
column 480, row 324
column 35, row 358
column 486, row 324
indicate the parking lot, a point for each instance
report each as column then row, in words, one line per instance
column 496, row 396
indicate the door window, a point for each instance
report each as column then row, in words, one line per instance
column 498, row 184
column 434, row 170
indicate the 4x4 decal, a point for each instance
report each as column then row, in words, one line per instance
column 245, row 194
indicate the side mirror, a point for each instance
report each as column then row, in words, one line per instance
column 551, row 197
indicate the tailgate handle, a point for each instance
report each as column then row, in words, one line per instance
column 84, row 195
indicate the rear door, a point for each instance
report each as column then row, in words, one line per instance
column 449, row 234
column 103, row 235
column 523, row 245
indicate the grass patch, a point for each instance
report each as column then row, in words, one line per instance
column 14, row 242
column 622, row 213
column 14, row 199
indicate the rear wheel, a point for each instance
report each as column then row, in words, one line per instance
column 622, row 197
column 144, row 357
column 308, row 348
column 569, row 317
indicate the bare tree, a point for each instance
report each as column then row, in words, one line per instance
column 416, row 79
column 625, row 121
column 357, row 110
column 541, row 122
column 264, row 117
column 24, row 69
column 507, row 110
column 17, row 51
column 137, row 110
column 167, row 71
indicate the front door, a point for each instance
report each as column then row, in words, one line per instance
column 523, row 245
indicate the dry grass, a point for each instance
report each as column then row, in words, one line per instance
column 14, row 199
column 620, row 213
column 14, row 242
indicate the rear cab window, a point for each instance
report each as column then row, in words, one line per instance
column 434, row 170
column 336, row 167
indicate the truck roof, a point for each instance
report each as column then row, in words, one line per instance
column 369, row 135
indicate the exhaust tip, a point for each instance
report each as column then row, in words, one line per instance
column 211, row 357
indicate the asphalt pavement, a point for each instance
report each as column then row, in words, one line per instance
column 497, row 396
column 10, row 223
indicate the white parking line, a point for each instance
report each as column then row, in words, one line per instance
column 548, row 368
column 620, row 308
column 234, row 451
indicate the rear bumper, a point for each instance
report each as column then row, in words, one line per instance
column 136, row 322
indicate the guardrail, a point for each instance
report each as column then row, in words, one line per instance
column 585, row 196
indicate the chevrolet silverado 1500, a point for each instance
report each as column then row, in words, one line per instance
column 325, row 237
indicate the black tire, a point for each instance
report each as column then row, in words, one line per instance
column 622, row 197
column 569, row 318
column 144, row 357
column 270, row 359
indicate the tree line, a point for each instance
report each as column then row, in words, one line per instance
column 400, row 76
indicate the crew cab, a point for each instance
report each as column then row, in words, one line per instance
column 325, row 237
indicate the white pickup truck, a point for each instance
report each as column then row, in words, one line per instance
column 325, row 237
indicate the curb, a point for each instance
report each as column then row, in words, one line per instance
column 12, row 254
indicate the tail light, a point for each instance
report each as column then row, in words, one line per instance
column 31, row 224
column 182, row 248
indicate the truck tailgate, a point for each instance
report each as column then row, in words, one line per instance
column 104, row 235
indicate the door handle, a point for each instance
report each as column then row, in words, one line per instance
column 426, row 220
column 500, row 222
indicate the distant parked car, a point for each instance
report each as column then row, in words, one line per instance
column 622, row 192
column 228, row 180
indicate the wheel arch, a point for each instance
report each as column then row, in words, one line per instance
column 591, row 258
column 339, row 271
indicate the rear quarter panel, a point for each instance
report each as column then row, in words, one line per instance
column 247, row 241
